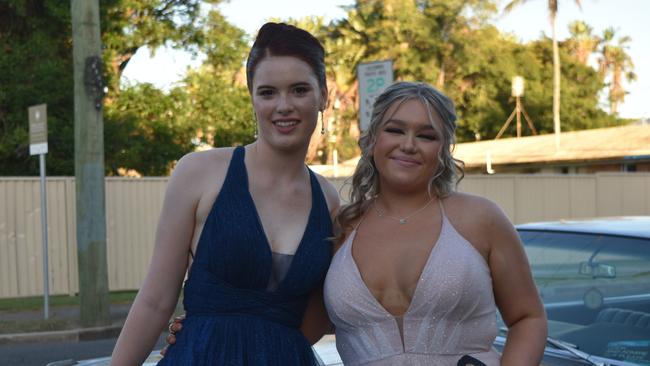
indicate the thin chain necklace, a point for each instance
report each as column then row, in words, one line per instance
column 401, row 220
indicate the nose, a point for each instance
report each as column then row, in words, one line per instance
column 408, row 144
column 285, row 104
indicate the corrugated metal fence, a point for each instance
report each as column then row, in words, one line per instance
column 133, row 206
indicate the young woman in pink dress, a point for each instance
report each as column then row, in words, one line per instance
column 421, row 268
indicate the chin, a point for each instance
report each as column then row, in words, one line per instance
column 290, row 144
column 406, row 183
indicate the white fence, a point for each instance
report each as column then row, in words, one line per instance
column 133, row 206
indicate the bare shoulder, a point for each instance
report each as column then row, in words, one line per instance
column 198, row 173
column 477, row 219
column 199, row 163
column 331, row 194
column 479, row 209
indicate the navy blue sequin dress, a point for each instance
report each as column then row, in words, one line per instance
column 232, row 319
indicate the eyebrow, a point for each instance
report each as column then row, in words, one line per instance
column 422, row 126
column 300, row 83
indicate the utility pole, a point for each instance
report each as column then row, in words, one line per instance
column 89, row 163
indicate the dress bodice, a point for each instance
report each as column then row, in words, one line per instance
column 452, row 311
column 240, row 309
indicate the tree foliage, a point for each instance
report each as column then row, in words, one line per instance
column 450, row 44
column 36, row 46
column 615, row 64
column 36, row 64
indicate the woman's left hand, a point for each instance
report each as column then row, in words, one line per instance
column 174, row 327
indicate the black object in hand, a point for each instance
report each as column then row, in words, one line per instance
column 469, row 361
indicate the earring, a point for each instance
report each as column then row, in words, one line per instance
column 322, row 123
column 255, row 135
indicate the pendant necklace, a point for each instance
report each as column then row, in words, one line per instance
column 401, row 220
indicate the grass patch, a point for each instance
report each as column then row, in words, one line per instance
column 31, row 320
column 36, row 302
column 37, row 326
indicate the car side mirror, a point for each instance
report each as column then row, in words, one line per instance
column 597, row 270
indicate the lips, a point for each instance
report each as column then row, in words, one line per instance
column 407, row 162
column 286, row 126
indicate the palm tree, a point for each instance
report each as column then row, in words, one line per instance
column 582, row 42
column 552, row 12
column 616, row 63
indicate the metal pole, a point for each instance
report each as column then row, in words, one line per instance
column 46, row 277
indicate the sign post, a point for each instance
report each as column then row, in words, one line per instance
column 373, row 78
column 38, row 146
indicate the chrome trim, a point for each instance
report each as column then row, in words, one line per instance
column 606, row 301
column 566, row 355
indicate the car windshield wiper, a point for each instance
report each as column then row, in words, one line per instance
column 569, row 348
column 573, row 350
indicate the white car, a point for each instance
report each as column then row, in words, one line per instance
column 325, row 351
column 594, row 278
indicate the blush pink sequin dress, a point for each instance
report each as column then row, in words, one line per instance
column 452, row 312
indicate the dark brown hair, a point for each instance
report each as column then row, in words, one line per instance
column 280, row 39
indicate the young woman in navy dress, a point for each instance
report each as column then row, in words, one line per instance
column 254, row 224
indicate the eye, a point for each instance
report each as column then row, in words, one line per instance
column 301, row 90
column 394, row 130
column 265, row 93
column 428, row 137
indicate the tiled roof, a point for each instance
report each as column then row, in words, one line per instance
column 611, row 143
column 586, row 145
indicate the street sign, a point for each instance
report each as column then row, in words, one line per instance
column 373, row 78
column 38, row 129
column 38, row 146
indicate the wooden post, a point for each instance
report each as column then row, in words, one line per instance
column 518, row 109
column 89, row 163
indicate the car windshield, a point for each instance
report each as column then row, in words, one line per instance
column 596, row 291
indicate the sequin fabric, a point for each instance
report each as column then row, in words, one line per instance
column 452, row 312
column 232, row 317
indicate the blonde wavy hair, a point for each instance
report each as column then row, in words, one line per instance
column 365, row 180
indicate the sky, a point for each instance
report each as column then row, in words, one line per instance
column 527, row 22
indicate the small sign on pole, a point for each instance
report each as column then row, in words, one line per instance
column 373, row 78
column 38, row 146
column 38, row 129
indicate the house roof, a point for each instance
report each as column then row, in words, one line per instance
column 602, row 144
column 614, row 143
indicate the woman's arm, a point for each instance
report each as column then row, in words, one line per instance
column 515, row 293
column 158, row 295
column 316, row 322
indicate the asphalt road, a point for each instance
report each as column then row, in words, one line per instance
column 40, row 354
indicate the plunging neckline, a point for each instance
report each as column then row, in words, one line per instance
column 357, row 271
column 260, row 226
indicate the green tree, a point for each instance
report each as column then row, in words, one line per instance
column 150, row 129
column 583, row 43
column 481, row 85
column 423, row 38
column 552, row 13
column 219, row 110
column 36, row 64
column 35, row 39
column 616, row 63
column 129, row 25
column 581, row 86
column 144, row 133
